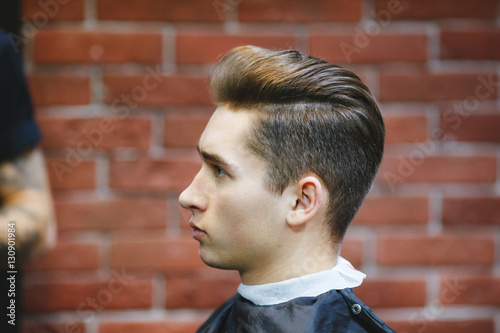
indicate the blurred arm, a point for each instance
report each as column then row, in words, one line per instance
column 27, row 201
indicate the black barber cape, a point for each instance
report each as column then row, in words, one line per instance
column 334, row 311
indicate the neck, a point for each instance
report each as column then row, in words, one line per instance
column 303, row 261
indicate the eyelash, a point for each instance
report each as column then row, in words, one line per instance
column 219, row 172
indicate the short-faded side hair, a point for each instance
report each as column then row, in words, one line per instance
column 312, row 117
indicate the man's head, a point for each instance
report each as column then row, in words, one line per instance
column 311, row 118
column 288, row 157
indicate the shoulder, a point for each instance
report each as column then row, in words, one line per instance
column 362, row 313
column 10, row 55
column 5, row 44
column 10, row 62
column 219, row 317
column 336, row 310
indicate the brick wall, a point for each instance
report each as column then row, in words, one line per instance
column 121, row 97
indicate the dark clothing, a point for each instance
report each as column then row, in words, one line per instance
column 334, row 311
column 18, row 131
column 10, row 16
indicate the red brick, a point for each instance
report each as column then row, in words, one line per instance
column 149, row 327
column 156, row 253
column 171, row 90
column 422, row 324
column 414, row 167
column 470, row 44
column 406, row 128
column 410, row 250
column 428, row 87
column 429, row 9
column 351, row 48
column 121, row 290
column 184, row 131
column 478, row 127
column 299, row 11
column 42, row 327
column 200, row 48
column 68, row 255
column 88, row 134
column 59, row 89
column 352, row 250
column 471, row 211
column 157, row 10
column 69, row 46
column 64, row 177
column 184, row 216
column 392, row 293
column 199, row 293
column 393, row 210
column 470, row 290
column 38, row 11
column 110, row 215
column 155, row 175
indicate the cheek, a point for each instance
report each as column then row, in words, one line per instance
column 237, row 215
column 244, row 214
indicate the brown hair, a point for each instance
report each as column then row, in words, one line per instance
column 313, row 117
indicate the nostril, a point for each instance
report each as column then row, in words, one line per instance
column 191, row 203
column 186, row 215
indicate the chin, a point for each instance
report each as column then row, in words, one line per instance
column 214, row 262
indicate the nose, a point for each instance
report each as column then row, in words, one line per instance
column 192, row 197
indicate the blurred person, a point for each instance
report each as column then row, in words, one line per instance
column 10, row 17
column 26, row 207
column 287, row 159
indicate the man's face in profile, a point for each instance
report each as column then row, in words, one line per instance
column 237, row 221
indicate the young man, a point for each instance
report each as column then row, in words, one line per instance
column 288, row 157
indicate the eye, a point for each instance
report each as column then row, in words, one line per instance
column 219, row 172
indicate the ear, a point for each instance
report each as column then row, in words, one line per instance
column 308, row 197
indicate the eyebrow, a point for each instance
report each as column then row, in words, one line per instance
column 216, row 158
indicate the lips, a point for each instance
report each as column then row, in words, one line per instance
column 197, row 233
column 192, row 225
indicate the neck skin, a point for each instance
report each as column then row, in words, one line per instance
column 302, row 253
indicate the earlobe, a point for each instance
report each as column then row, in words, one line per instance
column 308, row 195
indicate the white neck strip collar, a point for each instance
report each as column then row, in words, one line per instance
column 342, row 276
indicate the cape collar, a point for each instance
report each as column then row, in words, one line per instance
column 342, row 276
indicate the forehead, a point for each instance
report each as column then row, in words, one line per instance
column 225, row 137
column 226, row 128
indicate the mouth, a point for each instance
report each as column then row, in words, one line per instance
column 197, row 232
column 192, row 225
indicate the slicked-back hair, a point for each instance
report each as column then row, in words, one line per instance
column 313, row 117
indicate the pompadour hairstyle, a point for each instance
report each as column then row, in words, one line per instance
column 312, row 117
